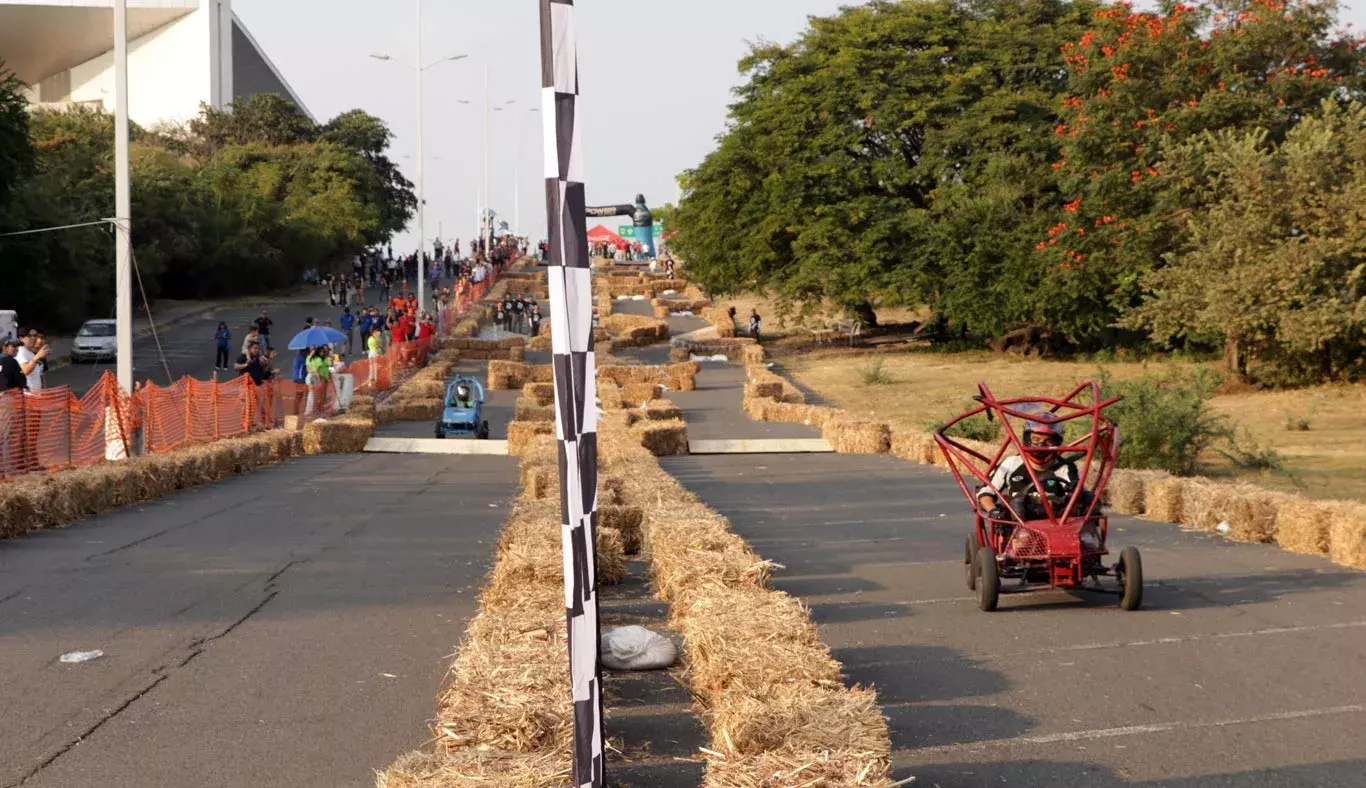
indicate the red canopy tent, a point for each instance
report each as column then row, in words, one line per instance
column 600, row 233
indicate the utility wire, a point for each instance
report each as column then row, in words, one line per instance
column 54, row 229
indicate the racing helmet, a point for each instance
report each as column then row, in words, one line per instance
column 462, row 391
column 1050, row 431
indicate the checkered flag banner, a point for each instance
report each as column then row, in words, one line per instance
column 571, row 316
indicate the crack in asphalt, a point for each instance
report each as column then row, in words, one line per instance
column 196, row 647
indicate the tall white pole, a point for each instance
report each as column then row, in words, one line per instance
column 488, row 177
column 421, row 194
column 123, row 202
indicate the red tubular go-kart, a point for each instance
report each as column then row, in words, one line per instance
column 1064, row 549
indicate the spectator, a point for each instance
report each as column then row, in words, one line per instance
column 30, row 359
column 535, row 319
column 318, row 378
column 223, row 337
column 372, row 352
column 348, row 326
column 253, row 335
column 426, row 328
column 754, row 324
column 12, row 375
column 518, row 313
column 252, row 363
column 263, row 324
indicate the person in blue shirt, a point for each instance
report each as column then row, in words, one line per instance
column 348, row 325
column 365, row 324
column 223, row 337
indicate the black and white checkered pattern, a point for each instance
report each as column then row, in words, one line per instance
column 571, row 315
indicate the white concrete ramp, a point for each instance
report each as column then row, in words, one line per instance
column 761, row 446
column 468, row 446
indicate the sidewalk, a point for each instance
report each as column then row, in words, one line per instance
column 169, row 313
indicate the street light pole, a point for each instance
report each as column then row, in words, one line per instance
column 488, row 178
column 123, row 220
column 421, row 193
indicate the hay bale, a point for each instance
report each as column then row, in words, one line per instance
column 634, row 395
column 625, row 520
column 1347, row 535
column 662, row 410
column 911, row 445
column 479, row 766
column 1126, row 492
column 521, row 433
column 540, row 393
column 801, row 718
column 337, row 436
column 530, row 410
column 611, row 556
column 749, row 640
column 362, row 406
column 418, row 410
column 1163, row 499
column 1304, row 526
column 421, row 389
column 663, row 438
column 850, row 436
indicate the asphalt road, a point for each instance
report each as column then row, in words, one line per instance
column 284, row 628
column 1246, row 668
column 188, row 347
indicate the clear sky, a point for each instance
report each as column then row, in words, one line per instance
column 656, row 79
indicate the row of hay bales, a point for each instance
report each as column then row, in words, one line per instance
column 35, row 502
column 506, row 714
column 512, row 376
column 668, row 305
column 770, row 693
column 1240, row 511
column 506, row 349
column 633, row 330
column 622, row 283
column 744, row 350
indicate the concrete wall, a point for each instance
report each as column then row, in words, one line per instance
column 169, row 73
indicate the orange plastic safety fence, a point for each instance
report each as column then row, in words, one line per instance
column 53, row 430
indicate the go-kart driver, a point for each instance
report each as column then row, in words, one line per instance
column 1057, row 475
column 464, row 397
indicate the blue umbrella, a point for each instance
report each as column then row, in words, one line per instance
column 316, row 336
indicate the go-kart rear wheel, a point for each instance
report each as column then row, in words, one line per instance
column 988, row 579
column 440, row 434
column 1129, row 573
column 483, row 432
column 969, row 558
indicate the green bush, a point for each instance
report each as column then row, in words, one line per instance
column 1165, row 420
column 875, row 374
column 977, row 428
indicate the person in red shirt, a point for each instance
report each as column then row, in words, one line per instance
column 426, row 328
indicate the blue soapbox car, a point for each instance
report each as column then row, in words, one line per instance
column 463, row 417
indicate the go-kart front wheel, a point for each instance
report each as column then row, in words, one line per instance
column 969, row 559
column 1129, row 573
column 988, row 579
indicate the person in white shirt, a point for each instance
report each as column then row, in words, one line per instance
column 30, row 358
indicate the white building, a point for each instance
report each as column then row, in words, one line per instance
column 180, row 53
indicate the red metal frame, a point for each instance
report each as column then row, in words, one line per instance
column 1062, row 548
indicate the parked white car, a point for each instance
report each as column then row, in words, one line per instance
column 97, row 339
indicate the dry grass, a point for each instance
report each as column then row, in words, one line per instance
column 1328, row 460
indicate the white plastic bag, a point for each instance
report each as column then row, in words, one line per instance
column 637, row 648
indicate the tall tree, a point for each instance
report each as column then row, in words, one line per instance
column 899, row 152
column 1275, row 266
